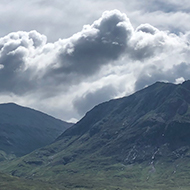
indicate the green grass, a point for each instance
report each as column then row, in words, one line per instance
column 100, row 174
column 14, row 183
column 92, row 172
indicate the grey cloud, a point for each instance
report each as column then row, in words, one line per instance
column 109, row 49
column 96, row 45
column 30, row 15
column 55, row 20
column 28, row 62
column 14, row 48
column 28, row 58
column 8, row 73
column 152, row 74
column 147, row 28
column 165, row 6
column 11, row 62
column 38, row 39
column 168, row 6
column 88, row 100
column 146, row 42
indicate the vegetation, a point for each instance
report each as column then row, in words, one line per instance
column 15, row 183
column 140, row 142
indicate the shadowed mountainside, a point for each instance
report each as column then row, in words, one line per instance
column 136, row 142
column 23, row 130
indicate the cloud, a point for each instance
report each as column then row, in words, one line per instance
column 15, row 49
column 88, row 100
column 47, row 17
column 107, row 59
column 56, row 20
column 169, row 6
column 96, row 45
column 27, row 56
column 152, row 74
column 147, row 28
column 178, row 73
column 148, row 41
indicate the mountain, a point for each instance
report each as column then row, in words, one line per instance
column 23, row 130
column 136, row 142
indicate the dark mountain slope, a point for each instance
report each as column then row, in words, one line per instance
column 155, row 116
column 136, row 142
column 23, row 130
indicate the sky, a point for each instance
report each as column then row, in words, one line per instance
column 65, row 57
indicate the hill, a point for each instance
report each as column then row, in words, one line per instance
column 136, row 142
column 23, row 130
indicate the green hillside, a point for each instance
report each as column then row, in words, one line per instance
column 136, row 142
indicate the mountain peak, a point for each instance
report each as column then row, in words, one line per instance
column 131, row 140
column 186, row 84
column 150, row 117
column 24, row 129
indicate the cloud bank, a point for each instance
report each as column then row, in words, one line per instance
column 107, row 59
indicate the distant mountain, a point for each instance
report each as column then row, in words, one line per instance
column 23, row 130
column 136, row 142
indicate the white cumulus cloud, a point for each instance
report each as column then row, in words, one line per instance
column 107, row 59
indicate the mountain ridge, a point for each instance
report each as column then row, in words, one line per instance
column 136, row 142
column 24, row 129
column 122, row 103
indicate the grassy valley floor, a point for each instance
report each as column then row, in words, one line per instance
column 81, row 176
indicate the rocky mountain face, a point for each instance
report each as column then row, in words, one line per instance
column 154, row 122
column 140, row 142
column 23, row 130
